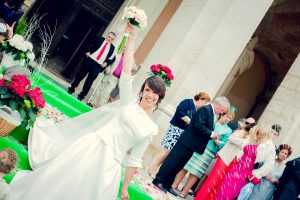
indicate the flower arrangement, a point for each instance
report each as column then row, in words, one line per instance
column 17, row 94
column 164, row 72
column 18, row 47
column 136, row 17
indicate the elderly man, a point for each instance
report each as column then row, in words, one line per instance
column 193, row 139
column 99, row 55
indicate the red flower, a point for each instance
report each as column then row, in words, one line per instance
column 21, row 79
column 170, row 76
column 155, row 68
column 18, row 88
column 167, row 69
column 2, row 83
column 36, row 95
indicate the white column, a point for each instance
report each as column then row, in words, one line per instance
column 284, row 109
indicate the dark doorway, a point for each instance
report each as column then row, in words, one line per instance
column 70, row 49
column 77, row 21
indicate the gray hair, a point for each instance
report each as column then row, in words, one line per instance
column 113, row 33
column 222, row 101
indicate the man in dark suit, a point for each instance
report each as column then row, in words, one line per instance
column 289, row 183
column 99, row 54
column 193, row 139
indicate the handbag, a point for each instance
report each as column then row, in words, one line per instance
column 246, row 191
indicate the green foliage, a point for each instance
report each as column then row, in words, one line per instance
column 21, row 26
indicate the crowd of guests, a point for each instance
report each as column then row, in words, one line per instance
column 221, row 157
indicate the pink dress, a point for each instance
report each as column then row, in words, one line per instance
column 237, row 176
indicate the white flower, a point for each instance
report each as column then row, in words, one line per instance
column 28, row 45
column 30, row 55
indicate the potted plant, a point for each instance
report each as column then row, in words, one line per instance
column 17, row 94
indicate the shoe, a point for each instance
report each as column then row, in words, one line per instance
column 173, row 192
column 183, row 196
column 160, row 186
column 79, row 98
column 192, row 193
column 90, row 104
column 71, row 90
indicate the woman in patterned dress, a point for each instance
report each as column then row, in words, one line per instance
column 198, row 164
column 178, row 123
column 265, row 190
column 258, row 148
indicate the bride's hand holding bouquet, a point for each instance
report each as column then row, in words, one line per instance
column 135, row 17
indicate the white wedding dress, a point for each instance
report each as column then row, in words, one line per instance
column 80, row 159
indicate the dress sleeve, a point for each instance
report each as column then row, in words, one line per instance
column 125, row 86
column 236, row 139
column 137, row 152
column 268, row 163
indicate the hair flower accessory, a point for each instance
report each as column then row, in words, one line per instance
column 164, row 72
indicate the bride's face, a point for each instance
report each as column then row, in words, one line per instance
column 149, row 97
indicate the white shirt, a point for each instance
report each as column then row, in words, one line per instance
column 96, row 53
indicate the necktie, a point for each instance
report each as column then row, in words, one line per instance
column 101, row 51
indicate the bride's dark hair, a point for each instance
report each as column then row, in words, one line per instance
column 157, row 85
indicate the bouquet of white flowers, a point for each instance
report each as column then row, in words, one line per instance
column 18, row 48
column 136, row 17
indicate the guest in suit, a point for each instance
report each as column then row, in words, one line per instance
column 178, row 124
column 99, row 55
column 289, row 183
column 193, row 139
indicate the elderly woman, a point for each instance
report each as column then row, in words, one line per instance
column 265, row 190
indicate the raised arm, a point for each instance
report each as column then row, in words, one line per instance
column 129, row 49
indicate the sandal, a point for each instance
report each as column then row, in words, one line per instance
column 183, row 196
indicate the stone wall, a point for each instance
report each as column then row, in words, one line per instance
column 284, row 109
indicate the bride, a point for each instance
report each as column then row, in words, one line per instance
column 81, row 158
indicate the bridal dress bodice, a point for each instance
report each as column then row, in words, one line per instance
column 131, row 129
column 123, row 126
column 81, row 157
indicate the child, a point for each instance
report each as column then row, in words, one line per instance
column 8, row 161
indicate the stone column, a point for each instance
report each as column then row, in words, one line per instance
column 202, row 43
column 284, row 109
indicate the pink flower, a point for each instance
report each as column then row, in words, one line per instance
column 166, row 69
column 21, row 79
column 154, row 68
column 170, row 76
column 36, row 96
column 2, row 83
column 18, row 88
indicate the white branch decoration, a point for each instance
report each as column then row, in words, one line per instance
column 46, row 35
column 32, row 25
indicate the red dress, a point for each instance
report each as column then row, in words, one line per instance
column 237, row 176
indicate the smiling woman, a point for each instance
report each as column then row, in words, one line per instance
column 105, row 134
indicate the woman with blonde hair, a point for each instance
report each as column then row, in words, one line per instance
column 224, row 162
column 258, row 148
column 178, row 124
